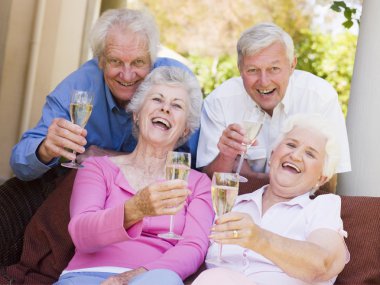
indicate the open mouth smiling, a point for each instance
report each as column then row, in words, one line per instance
column 161, row 123
column 265, row 92
column 291, row 167
column 127, row 84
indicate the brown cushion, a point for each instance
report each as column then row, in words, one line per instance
column 47, row 245
column 19, row 200
column 361, row 219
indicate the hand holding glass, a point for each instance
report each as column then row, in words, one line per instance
column 177, row 167
column 224, row 189
column 81, row 104
column 252, row 123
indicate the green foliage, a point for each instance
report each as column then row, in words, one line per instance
column 349, row 13
column 211, row 72
column 328, row 56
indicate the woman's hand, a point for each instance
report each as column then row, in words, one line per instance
column 123, row 278
column 236, row 228
column 159, row 198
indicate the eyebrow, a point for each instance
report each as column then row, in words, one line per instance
column 158, row 93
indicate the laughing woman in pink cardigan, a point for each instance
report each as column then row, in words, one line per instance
column 120, row 204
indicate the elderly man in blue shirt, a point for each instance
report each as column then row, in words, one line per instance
column 125, row 44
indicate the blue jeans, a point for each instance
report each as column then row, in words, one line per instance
column 156, row 277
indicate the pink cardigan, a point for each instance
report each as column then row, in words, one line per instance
column 96, row 226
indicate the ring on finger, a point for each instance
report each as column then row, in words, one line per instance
column 236, row 234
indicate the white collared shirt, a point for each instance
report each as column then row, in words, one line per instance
column 306, row 93
column 294, row 219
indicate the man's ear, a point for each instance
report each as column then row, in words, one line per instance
column 185, row 132
column 294, row 63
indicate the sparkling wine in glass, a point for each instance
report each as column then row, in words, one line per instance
column 252, row 123
column 224, row 189
column 81, row 104
column 177, row 167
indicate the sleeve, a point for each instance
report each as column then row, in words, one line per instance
column 188, row 254
column 324, row 212
column 24, row 161
column 92, row 226
column 212, row 127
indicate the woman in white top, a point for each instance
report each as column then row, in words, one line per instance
column 278, row 234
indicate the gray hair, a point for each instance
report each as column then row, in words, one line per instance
column 138, row 21
column 260, row 36
column 171, row 76
column 322, row 126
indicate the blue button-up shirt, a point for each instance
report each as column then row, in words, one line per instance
column 109, row 126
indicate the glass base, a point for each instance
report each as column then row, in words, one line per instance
column 237, row 263
column 242, row 179
column 170, row 235
column 72, row 164
column 221, row 262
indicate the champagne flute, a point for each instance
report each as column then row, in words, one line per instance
column 80, row 111
column 252, row 123
column 177, row 167
column 224, row 189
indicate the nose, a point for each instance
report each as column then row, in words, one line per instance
column 165, row 108
column 127, row 72
column 264, row 78
column 296, row 154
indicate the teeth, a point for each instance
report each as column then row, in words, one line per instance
column 295, row 167
column 163, row 121
column 265, row 91
column 127, row 83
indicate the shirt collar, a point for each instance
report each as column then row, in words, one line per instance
column 257, row 197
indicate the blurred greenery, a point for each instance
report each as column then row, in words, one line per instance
column 206, row 31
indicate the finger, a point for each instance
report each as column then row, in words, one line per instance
column 169, row 185
column 68, row 125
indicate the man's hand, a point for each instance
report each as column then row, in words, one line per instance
column 62, row 139
column 123, row 278
column 230, row 143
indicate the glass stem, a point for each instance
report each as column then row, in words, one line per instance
column 220, row 252
column 74, row 160
column 240, row 163
column 171, row 223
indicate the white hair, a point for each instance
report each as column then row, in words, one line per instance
column 260, row 36
column 322, row 126
column 171, row 76
column 137, row 21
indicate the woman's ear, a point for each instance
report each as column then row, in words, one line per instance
column 322, row 180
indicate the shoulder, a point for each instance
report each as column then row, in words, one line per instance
column 86, row 77
column 166, row 61
column 231, row 88
column 101, row 162
column 306, row 80
column 325, row 202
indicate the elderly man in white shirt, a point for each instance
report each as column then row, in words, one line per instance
column 268, row 82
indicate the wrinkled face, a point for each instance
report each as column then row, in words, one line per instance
column 162, row 119
column 266, row 75
column 125, row 63
column 297, row 162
